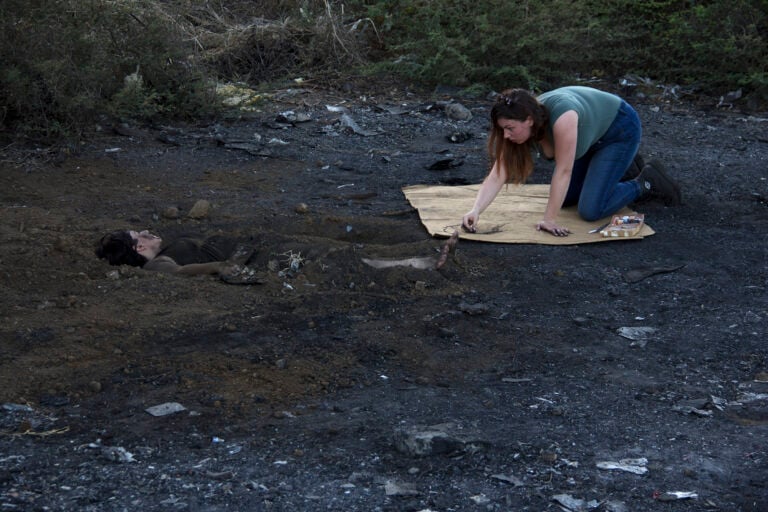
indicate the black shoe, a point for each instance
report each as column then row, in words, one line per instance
column 635, row 168
column 657, row 184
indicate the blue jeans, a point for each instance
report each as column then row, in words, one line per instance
column 595, row 185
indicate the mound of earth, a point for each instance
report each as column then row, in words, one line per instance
column 614, row 376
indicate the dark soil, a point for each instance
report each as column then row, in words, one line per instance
column 303, row 393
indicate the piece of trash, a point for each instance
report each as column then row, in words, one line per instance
column 400, row 489
column 636, row 466
column 458, row 137
column 688, row 409
column 701, row 406
column 165, row 409
column 334, row 108
column 677, row 495
column 752, row 397
column 510, row 479
column 215, row 440
column 117, row 454
column 421, row 263
column 638, row 274
column 638, row 335
column 480, row 499
column 112, row 150
column 348, row 122
column 569, row 503
column 635, row 333
column 17, row 407
column 448, row 247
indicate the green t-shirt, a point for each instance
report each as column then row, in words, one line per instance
column 596, row 110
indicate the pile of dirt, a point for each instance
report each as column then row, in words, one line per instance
column 611, row 376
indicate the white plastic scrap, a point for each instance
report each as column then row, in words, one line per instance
column 636, row 466
column 117, row 454
column 510, row 479
column 571, row 504
column 752, row 397
column 165, row 409
column 636, row 334
column 677, row 495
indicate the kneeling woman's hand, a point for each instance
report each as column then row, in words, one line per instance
column 547, row 225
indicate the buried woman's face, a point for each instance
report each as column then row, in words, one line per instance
column 144, row 241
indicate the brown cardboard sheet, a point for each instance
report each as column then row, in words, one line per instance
column 510, row 219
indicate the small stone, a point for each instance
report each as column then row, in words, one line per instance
column 458, row 112
column 200, row 210
column 301, row 208
column 95, row 386
column 171, row 213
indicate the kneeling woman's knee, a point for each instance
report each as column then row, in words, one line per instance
column 590, row 213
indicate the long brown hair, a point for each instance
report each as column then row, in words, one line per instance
column 518, row 105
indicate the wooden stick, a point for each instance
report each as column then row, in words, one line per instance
column 448, row 247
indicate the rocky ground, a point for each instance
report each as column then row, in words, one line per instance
column 627, row 376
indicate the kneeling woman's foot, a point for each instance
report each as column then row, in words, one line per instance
column 635, row 168
column 657, row 184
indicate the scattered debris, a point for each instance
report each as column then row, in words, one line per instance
column 636, row 466
column 242, row 274
column 448, row 247
column 638, row 274
column 751, row 397
column 510, row 479
column 349, row 123
column 676, row 495
column 445, row 438
column 165, row 409
column 570, row 504
column 458, row 137
column 701, row 407
column 117, row 454
column 421, row 263
column 400, row 489
column 638, row 335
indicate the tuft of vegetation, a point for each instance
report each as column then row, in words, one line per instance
column 66, row 63
column 708, row 44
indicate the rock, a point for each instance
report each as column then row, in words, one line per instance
column 171, row 213
column 200, row 210
column 435, row 440
column 458, row 112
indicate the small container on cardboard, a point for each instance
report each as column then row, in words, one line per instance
column 624, row 225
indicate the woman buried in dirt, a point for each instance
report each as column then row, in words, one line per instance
column 216, row 255
column 593, row 137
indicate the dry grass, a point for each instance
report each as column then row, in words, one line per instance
column 262, row 48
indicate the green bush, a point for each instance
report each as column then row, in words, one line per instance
column 65, row 63
column 711, row 44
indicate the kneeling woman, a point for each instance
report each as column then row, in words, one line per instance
column 592, row 135
column 185, row 256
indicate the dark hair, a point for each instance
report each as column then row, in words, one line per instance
column 119, row 248
column 518, row 105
